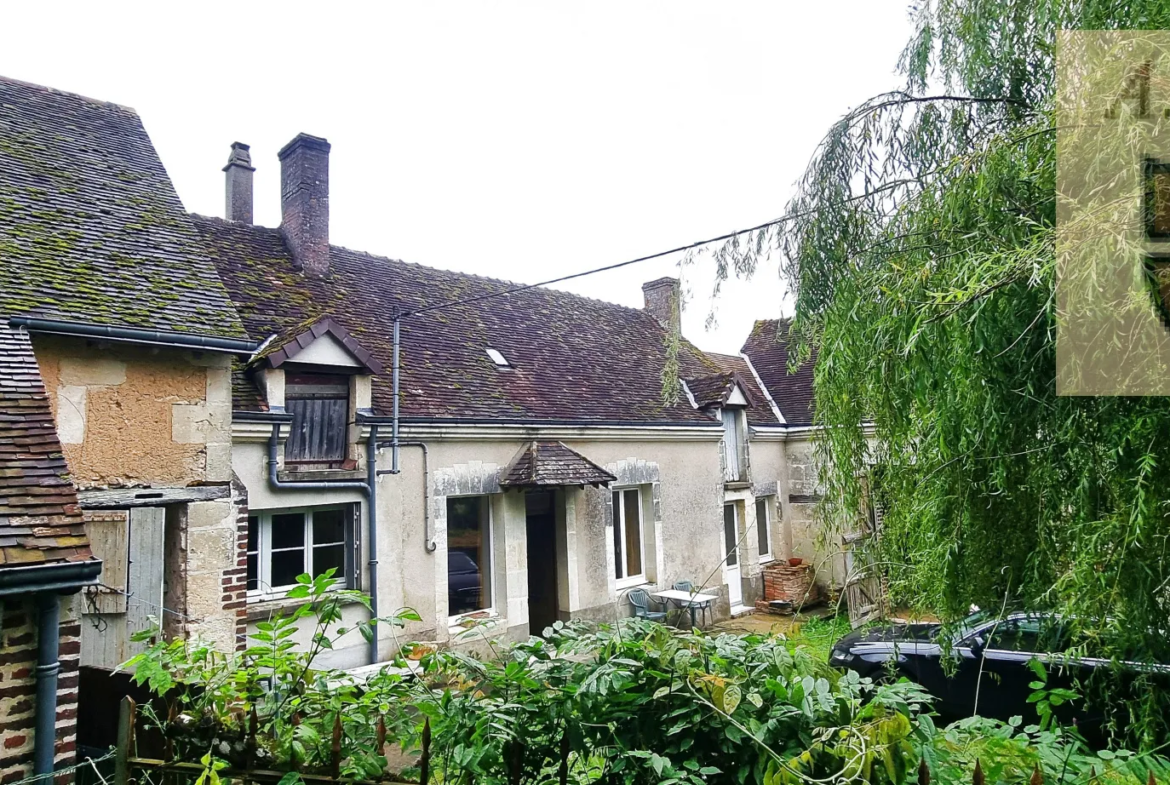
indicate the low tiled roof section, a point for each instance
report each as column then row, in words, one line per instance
column 91, row 229
column 767, row 348
column 552, row 463
column 759, row 411
column 572, row 358
column 40, row 519
column 711, row 390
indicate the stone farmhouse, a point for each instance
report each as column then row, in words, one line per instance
column 224, row 418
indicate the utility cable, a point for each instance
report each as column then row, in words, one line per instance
column 464, row 301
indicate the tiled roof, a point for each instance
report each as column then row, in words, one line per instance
column 759, row 410
column 767, row 348
column 571, row 358
column 91, row 229
column 288, row 345
column 40, row 519
column 552, row 463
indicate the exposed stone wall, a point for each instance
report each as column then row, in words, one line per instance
column 129, row 416
column 18, row 662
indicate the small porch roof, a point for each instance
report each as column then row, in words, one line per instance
column 551, row 464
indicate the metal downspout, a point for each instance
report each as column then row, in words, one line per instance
column 367, row 487
column 48, row 666
column 372, row 535
column 394, row 387
column 395, row 443
column 428, row 541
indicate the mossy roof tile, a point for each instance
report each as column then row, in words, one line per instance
column 91, row 229
column 40, row 519
column 571, row 358
column 767, row 348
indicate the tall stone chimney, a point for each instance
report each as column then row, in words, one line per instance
column 239, row 184
column 662, row 301
column 304, row 202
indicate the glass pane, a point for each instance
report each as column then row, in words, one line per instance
column 253, row 572
column 730, row 535
column 286, row 566
column 253, row 533
column 762, row 526
column 328, row 527
column 1159, row 188
column 288, row 530
column 616, row 511
column 633, row 539
column 328, row 556
column 468, row 555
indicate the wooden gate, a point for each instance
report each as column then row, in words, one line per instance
column 865, row 587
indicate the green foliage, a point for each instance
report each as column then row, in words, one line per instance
column 921, row 249
column 634, row 702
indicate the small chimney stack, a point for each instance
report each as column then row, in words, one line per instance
column 662, row 301
column 304, row 202
column 238, row 174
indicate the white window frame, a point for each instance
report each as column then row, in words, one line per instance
column 264, row 590
column 454, row 620
column 618, row 519
column 767, row 502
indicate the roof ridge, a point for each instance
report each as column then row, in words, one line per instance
column 69, row 93
column 383, row 258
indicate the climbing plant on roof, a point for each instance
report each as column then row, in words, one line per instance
column 920, row 251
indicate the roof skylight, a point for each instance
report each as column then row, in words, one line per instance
column 497, row 358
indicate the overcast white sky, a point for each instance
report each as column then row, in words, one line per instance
column 521, row 140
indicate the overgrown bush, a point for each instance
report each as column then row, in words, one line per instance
column 632, row 702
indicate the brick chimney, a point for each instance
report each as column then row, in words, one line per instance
column 662, row 301
column 238, row 174
column 304, row 202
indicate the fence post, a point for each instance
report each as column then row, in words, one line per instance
column 125, row 741
column 424, row 760
column 923, row 772
column 336, row 749
column 978, row 778
column 563, row 771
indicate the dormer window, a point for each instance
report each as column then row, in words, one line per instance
column 319, row 404
column 498, row 359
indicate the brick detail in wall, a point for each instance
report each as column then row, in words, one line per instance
column 18, row 686
column 791, row 584
column 235, row 580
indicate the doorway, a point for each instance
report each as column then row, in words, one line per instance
column 541, row 520
column 731, row 550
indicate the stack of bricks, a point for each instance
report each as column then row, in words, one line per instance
column 18, row 688
column 790, row 584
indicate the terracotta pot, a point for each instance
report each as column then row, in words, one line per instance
column 795, row 561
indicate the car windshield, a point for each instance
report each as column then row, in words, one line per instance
column 972, row 623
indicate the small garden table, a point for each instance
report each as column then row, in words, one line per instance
column 684, row 599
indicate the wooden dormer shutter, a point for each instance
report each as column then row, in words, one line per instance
column 319, row 404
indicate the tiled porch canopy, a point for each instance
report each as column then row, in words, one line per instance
column 551, row 464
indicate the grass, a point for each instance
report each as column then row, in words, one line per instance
column 818, row 634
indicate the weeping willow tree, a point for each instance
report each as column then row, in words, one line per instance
column 920, row 248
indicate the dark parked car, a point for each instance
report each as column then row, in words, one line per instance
column 948, row 665
column 464, row 583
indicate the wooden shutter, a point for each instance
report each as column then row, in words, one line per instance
column 319, row 404
column 109, row 538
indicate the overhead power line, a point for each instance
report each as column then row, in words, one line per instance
column 466, row 300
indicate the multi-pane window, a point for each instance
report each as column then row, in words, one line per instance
column 288, row 543
column 764, row 526
column 469, row 554
column 628, row 556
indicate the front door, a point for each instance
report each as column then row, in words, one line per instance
column 731, row 550
column 542, row 560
